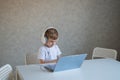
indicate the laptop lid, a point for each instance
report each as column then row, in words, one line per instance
column 69, row 62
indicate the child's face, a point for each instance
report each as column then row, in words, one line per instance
column 50, row 42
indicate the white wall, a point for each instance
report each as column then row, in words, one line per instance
column 82, row 25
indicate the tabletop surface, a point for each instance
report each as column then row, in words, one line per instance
column 97, row 69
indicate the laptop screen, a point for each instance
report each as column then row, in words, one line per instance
column 70, row 62
column 67, row 63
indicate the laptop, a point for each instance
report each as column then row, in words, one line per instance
column 66, row 63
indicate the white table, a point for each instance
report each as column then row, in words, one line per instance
column 97, row 69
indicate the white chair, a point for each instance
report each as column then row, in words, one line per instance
column 6, row 72
column 31, row 58
column 104, row 53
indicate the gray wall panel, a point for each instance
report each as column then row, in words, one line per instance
column 82, row 25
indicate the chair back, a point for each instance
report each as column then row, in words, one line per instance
column 104, row 53
column 31, row 58
column 5, row 72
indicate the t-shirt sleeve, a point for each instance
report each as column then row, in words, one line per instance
column 58, row 50
column 41, row 54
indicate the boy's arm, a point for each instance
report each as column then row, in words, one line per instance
column 51, row 61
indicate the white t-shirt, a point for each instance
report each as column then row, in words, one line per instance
column 48, row 54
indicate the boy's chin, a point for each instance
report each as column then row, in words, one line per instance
column 50, row 46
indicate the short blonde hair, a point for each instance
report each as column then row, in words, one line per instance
column 51, row 33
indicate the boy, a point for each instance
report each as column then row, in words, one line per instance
column 50, row 52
